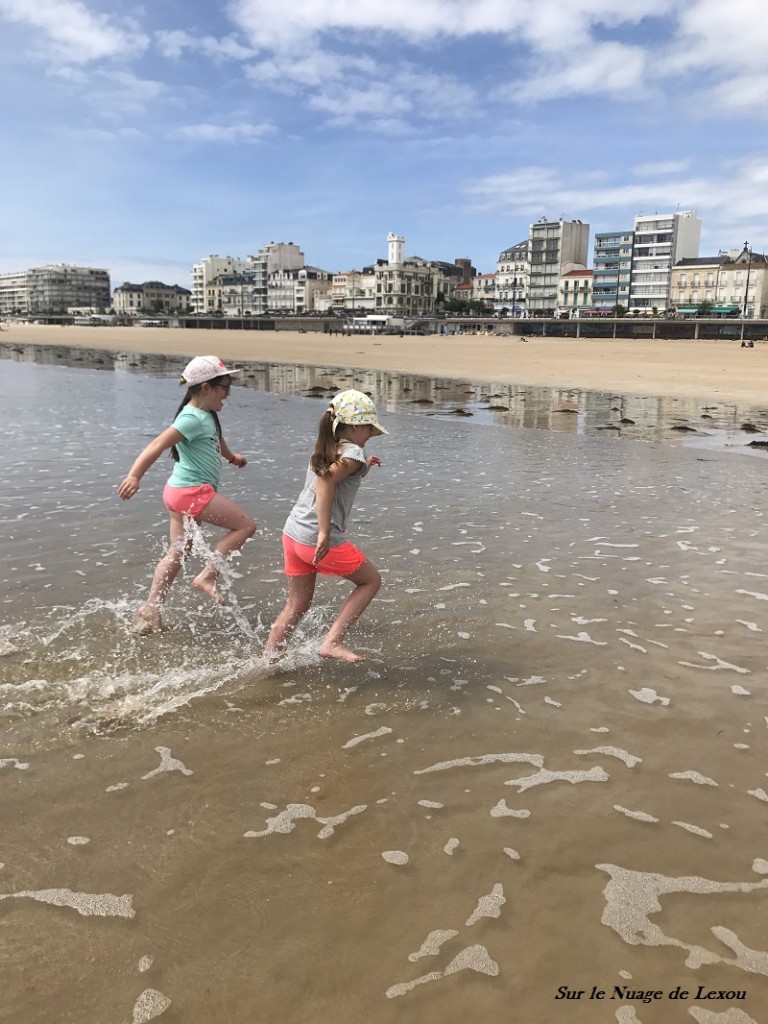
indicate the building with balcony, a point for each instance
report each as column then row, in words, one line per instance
column 612, row 268
column 412, row 287
column 206, row 299
column 660, row 241
column 512, row 277
column 733, row 283
column 292, row 290
column 554, row 248
column 354, row 289
column 239, row 287
column 151, row 297
column 484, row 289
column 575, row 292
column 14, row 298
column 54, row 289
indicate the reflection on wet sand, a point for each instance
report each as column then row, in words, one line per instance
column 550, row 773
column 672, row 420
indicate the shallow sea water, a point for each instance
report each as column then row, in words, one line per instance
column 551, row 771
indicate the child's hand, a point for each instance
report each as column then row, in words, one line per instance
column 373, row 460
column 322, row 549
column 238, row 460
column 128, row 487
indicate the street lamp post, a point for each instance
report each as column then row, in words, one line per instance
column 749, row 268
column 748, row 251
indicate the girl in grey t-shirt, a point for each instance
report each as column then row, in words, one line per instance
column 314, row 535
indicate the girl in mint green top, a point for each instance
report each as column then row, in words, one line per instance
column 191, row 494
column 199, row 451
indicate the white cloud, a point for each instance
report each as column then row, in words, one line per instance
column 75, row 34
column 114, row 93
column 313, row 68
column 740, row 95
column 546, row 23
column 406, row 92
column 730, row 36
column 559, row 48
column 610, row 68
column 173, row 44
column 732, row 201
column 659, row 168
column 238, row 132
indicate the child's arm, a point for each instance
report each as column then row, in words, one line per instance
column 148, row 458
column 230, row 456
column 325, row 489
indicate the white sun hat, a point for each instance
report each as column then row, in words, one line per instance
column 355, row 409
column 203, row 368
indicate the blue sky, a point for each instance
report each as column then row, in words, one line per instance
column 143, row 138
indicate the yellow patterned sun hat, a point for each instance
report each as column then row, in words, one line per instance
column 355, row 409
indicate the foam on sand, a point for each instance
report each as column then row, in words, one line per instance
column 88, row 904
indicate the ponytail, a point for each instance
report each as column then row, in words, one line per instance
column 191, row 392
column 326, row 447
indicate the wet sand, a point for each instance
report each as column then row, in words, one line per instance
column 674, row 368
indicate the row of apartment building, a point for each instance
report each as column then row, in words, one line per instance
column 277, row 280
column 655, row 266
column 55, row 288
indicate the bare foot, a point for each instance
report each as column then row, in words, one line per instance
column 339, row 651
column 149, row 619
column 272, row 654
column 206, row 582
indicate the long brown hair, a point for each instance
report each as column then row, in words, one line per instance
column 191, row 392
column 326, row 447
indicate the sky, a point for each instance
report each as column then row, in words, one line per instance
column 142, row 138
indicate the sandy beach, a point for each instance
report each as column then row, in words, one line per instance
column 678, row 369
column 549, row 772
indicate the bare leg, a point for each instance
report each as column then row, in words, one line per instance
column 367, row 582
column 166, row 571
column 221, row 511
column 301, row 590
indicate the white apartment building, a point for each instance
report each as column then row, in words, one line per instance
column 512, row 279
column 575, row 292
column 554, row 248
column 660, row 241
column 484, row 289
column 293, row 290
column 13, row 294
column 54, row 289
column 354, row 289
column 204, row 274
column 311, row 289
column 151, row 297
column 239, row 287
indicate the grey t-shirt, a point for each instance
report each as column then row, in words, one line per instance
column 302, row 523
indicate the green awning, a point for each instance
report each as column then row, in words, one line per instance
column 690, row 310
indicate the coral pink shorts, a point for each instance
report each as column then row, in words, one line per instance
column 342, row 560
column 187, row 501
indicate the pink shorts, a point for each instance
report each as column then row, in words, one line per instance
column 342, row 560
column 187, row 501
